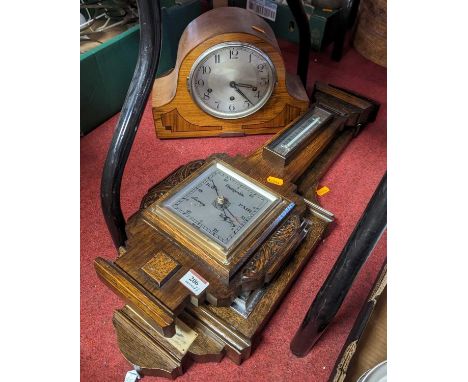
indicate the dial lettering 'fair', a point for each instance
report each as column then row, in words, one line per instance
column 221, row 204
column 232, row 80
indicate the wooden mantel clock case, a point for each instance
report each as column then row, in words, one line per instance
column 218, row 242
column 229, row 79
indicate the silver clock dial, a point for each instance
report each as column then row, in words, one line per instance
column 221, row 204
column 232, row 80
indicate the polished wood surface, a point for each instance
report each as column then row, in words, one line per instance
column 161, row 313
column 134, row 295
column 175, row 113
column 366, row 345
column 161, row 267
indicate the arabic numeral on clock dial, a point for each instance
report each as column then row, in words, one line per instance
column 233, row 54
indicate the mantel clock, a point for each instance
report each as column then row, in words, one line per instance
column 229, row 79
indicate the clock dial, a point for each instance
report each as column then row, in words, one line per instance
column 221, row 204
column 232, row 80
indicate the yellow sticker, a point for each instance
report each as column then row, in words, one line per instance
column 277, row 181
column 322, row 191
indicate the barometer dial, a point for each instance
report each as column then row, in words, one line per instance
column 232, row 80
column 221, row 204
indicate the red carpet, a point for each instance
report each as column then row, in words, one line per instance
column 351, row 180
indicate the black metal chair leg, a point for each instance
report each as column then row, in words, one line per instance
column 355, row 253
column 132, row 111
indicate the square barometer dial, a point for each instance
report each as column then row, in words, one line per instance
column 218, row 207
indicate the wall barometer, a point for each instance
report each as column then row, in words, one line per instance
column 218, row 242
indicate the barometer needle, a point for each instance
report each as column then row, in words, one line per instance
column 215, row 188
column 237, row 220
column 222, row 206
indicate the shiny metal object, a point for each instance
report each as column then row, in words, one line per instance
column 232, row 80
column 245, row 303
column 290, row 141
column 377, row 374
column 319, row 211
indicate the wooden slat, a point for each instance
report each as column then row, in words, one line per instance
column 122, row 284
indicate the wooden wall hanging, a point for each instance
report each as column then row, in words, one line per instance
column 216, row 244
column 229, row 79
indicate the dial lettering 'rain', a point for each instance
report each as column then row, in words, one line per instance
column 220, row 205
column 233, row 81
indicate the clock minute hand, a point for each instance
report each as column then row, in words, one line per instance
column 242, row 94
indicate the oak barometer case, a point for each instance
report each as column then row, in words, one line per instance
column 229, row 79
column 216, row 244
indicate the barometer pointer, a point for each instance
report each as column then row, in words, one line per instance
column 222, row 206
column 237, row 220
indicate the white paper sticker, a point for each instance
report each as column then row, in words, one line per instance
column 194, row 282
column 132, row 376
column 264, row 8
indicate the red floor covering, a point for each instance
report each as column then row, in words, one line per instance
column 352, row 180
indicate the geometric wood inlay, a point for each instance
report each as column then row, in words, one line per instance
column 161, row 267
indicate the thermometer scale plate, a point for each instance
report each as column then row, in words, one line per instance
column 283, row 148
